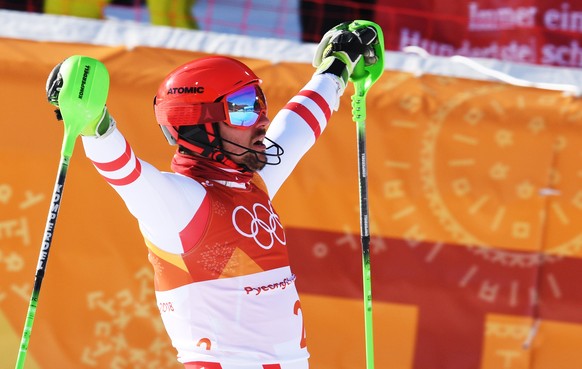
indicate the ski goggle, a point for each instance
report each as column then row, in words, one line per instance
column 245, row 106
column 241, row 109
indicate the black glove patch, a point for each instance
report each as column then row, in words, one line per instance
column 54, row 83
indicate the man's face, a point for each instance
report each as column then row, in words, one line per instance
column 249, row 138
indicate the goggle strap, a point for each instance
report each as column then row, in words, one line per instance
column 187, row 115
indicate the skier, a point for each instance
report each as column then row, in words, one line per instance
column 223, row 284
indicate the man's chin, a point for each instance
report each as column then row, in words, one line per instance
column 254, row 161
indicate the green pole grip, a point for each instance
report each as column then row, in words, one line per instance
column 82, row 97
column 369, row 73
column 364, row 76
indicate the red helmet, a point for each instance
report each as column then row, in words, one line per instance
column 189, row 102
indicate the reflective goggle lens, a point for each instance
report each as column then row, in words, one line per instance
column 245, row 106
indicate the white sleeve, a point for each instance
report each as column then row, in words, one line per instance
column 299, row 124
column 163, row 203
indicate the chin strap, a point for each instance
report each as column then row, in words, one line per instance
column 203, row 140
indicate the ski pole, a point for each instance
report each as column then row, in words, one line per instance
column 82, row 97
column 363, row 77
column 43, row 258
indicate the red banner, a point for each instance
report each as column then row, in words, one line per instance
column 545, row 32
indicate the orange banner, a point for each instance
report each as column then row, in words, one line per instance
column 475, row 201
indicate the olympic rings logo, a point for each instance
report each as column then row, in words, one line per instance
column 252, row 225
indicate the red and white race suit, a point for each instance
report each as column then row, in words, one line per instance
column 224, row 287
